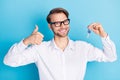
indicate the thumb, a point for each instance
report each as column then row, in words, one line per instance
column 36, row 29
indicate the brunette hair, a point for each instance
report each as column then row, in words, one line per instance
column 56, row 10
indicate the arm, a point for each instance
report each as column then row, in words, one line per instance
column 108, row 54
column 20, row 54
column 109, row 51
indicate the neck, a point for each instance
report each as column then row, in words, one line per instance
column 61, row 42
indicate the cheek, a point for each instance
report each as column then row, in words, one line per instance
column 68, row 27
column 54, row 29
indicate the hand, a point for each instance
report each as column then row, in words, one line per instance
column 98, row 29
column 35, row 38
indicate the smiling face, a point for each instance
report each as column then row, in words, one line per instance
column 63, row 29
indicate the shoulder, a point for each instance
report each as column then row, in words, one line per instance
column 80, row 44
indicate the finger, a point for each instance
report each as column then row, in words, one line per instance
column 39, row 37
column 40, row 34
column 35, row 30
column 93, row 26
column 38, row 42
column 90, row 26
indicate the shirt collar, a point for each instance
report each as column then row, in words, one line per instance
column 69, row 46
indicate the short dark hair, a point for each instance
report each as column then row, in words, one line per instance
column 57, row 10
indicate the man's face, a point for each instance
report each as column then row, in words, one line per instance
column 59, row 24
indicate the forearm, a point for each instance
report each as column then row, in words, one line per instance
column 14, row 53
column 109, row 49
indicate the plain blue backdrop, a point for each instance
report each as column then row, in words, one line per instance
column 18, row 19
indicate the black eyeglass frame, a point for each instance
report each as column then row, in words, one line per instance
column 60, row 22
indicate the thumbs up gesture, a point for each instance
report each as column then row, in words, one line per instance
column 35, row 38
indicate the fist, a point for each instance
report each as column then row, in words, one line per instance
column 35, row 38
column 98, row 29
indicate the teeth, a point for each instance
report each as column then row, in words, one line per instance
column 62, row 30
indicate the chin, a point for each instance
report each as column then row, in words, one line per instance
column 62, row 35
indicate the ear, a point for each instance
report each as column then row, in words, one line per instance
column 49, row 26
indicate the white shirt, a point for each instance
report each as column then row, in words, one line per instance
column 55, row 64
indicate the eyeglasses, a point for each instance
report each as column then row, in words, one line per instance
column 59, row 23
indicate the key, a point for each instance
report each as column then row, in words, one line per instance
column 88, row 35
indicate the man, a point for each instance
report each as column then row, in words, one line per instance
column 61, row 58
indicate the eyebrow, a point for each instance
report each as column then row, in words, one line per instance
column 57, row 21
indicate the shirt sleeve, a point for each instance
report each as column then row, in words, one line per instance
column 20, row 54
column 108, row 54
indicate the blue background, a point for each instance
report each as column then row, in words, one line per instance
column 18, row 19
